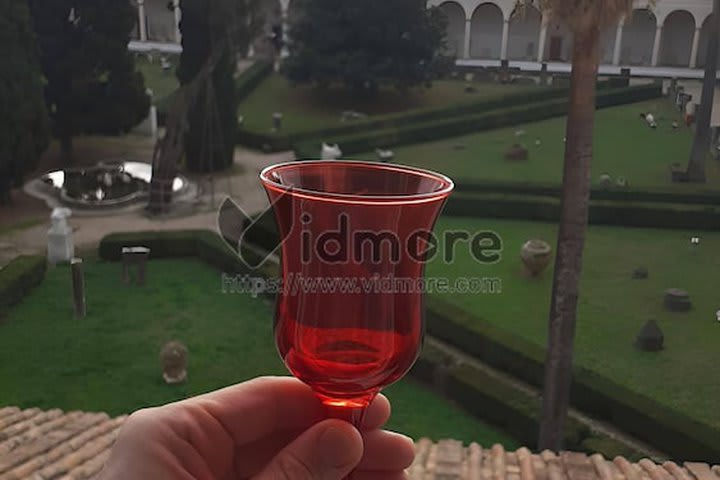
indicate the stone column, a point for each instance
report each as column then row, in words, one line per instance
column 694, row 50
column 541, row 41
column 142, row 24
column 178, row 14
column 504, row 44
column 618, row 42
column 656, row 46
column 468, row 31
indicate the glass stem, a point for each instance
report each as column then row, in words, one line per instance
column 352, row 415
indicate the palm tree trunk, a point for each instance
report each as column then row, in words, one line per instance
column 696, row 166
column 571, row 239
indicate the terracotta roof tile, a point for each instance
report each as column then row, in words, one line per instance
column 52, row 445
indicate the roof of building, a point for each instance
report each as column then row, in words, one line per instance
column 45, row 445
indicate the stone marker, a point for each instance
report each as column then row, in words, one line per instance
column 676, row 300
column 650, row 338
column 535, row 255
column 330, row 151
column 61, row 247
column 277, row 121
column 137, row 256
column 78, row 284
column 605, row 180
column 384, row 155
column 640, row 273
column 517, row 153
column 173, row 358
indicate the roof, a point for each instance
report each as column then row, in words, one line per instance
column 44, row 445
column 49, row 445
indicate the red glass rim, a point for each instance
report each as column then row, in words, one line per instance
column 445, row 184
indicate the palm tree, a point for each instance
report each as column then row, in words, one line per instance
column 696, row 166
column 586, row 19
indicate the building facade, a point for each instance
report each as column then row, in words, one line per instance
column 672, row 33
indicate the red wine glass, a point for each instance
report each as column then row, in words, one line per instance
column 355, row 240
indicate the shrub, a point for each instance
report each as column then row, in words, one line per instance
column 19, row 277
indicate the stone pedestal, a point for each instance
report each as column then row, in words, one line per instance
column 61, row 247
column 137, row 256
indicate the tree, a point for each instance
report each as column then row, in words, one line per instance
column 586, row 19
column 696, row 166
column 23, row 118
column 364, row 44
column 208, row 26
column 92, row 85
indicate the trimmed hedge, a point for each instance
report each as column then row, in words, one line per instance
column 615, row 193
column 204, row 244
column 603, row 212
column 279, row 141
column 18, row 277
column 463, row 124
column 251, row 78
column 666, row 429
column 506, row 406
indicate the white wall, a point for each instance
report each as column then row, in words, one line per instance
column 524, row 35
column 486, row 36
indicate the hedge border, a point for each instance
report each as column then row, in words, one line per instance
column 399, row 121
column 668, row 430
column 503, row 405
column 613, row 192
column 18, row 278
column 475, row 122
column 602, row 212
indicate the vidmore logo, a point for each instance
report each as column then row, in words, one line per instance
column 242, row 232
column 345, row 242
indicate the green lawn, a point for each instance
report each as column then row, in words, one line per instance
column 307, row 108
column 161, row 82
column 109, row 361
column 613, row 307
column 624, row 146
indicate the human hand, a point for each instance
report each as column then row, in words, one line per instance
column 271, row 428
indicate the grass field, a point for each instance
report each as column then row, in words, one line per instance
column 624, row 146
column 109, row 360
column 612, row 306
column 306, row 108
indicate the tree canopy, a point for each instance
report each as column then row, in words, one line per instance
column 364, row 44
column 23, row 119
column 208, row 26
column 92, row 85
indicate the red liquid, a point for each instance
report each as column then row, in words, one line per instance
column 349, row 364
column 348, row 344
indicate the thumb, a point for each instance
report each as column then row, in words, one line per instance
column 328, row 450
